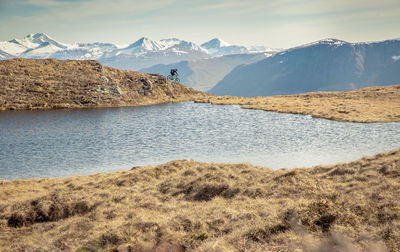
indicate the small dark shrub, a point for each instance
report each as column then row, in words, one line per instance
column 257, row 235
column 80, row 208
column 189, row 173
column 230, row 193
column 37, row 213
column 109, row 238
column 263, row 234
column 340, row 171
column 58, row 211
column 15, row 220
column 208, row 192
column 325, row 221
column 286, row 175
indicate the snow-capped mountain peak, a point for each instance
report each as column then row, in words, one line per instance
column 218, row 47
column 167, row 43
column 142, row 45
column 146, row 44
column 32, row 41
column 215, row 43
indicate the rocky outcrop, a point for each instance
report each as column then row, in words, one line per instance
column 50, row 83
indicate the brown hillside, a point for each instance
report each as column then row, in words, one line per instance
column 51, row 83
column 372, row 104
column 187, row 205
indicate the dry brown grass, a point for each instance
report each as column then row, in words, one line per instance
column 188, row 205
column 51, row 83
column 372, row 104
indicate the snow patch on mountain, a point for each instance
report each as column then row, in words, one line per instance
column 35, row 40
column 44, row 50
column 12, row 48
column 4, row 55
column 218, row 47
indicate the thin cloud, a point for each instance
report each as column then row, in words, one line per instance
column 44, row 3
column 81, row 9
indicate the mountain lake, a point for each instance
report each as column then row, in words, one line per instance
column 60, row 143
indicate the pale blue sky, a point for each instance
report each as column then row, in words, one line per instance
column 275, row 23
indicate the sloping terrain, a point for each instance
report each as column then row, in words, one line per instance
column 372, row 104
column 326, row 65
column 185, row 205
column 203, row 74
column 50, row 83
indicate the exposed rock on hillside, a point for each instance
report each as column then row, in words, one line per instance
column 50, row 83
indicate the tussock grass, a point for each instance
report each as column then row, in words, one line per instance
column 372, row 104
column 54, row 84
column 194, row 206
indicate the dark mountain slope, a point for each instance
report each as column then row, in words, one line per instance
column 327, row 65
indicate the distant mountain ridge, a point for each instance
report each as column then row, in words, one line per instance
column 218, row 47
column 203, row 74
column 325, row 65
column 142, row 53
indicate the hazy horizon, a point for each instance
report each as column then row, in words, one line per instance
column 278, row 24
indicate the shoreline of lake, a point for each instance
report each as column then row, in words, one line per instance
column 365, row 105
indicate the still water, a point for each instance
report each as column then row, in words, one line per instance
column 60, row 143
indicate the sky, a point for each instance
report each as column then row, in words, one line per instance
column 273, row 23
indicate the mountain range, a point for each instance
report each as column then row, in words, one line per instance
column 140, row 54
column 325, row 65
column 224, row 69
column 203, row 74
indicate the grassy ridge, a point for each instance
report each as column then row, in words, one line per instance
column 372, row 104
column 51, row 83
column 208, row 207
